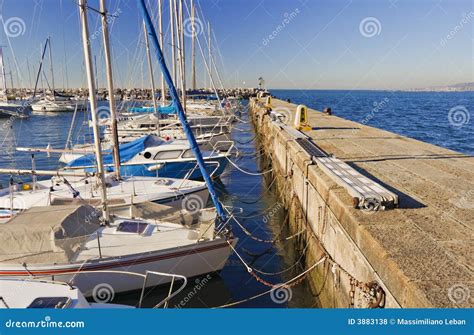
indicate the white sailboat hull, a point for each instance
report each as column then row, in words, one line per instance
column 189, row 261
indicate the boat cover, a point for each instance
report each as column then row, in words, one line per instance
column 127, row 152
column 170, row 109
column 47, row 235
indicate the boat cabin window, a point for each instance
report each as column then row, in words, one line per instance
column 169, row 154
column 132, row 227
column 188, row 154
column 50, row 302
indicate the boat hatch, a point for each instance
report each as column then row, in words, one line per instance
column 134, row 227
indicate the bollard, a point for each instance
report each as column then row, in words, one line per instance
column 268, row 103
column 327, row 111
column 301, row 119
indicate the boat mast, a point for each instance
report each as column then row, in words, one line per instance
column 4, row 77
column 207, row 66
column 38, row 75
column 178, row 43
column 182, row 54
column 51, row 66
column 210, row 54
column 152, row 79
column 180, row 112
column 193, row 44
column 93, row 102
column 110, row 88
column 173, row 56
column 160, row 22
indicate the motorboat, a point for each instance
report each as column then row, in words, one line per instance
column 151, row 156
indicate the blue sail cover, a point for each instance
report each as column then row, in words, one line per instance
column 127, row 152
column 170, row 109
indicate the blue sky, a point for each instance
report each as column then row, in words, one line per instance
column 320, row 44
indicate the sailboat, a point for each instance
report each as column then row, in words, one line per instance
column 10, row 109
column 61, row 242
column 56, row 102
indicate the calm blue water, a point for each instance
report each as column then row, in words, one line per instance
column 424, row 116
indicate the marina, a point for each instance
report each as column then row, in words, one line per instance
column 167, row 195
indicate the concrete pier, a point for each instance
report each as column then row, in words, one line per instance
column 420, row 253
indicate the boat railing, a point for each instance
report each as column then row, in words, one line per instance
column 190, row 172
column 217, row 145
column 146, row 278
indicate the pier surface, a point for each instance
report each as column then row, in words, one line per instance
column 421, row 251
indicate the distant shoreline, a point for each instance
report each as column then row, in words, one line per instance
column 372, row 90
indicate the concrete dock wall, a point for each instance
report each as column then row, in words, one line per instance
column 348, row 236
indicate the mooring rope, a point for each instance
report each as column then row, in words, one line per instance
column 277, row 239
column 248, row 172
column 275, row 287
column 288, row 268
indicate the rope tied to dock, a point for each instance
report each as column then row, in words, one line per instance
column 248, row 172
column 276, row 287
column 289, row 284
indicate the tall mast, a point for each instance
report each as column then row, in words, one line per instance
column 95, row 71
column 10, row 72
column 4, row 77
column 93, row 102
column 160, row 23
column 182, row 54
column 180, row 112
column 210, row 54
column 110, row 88
column 173, row 56
column 193, row 44
column 152, row 79
column 40, row 69
column 29, row 72
column 178, row 41
column 51, row 65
